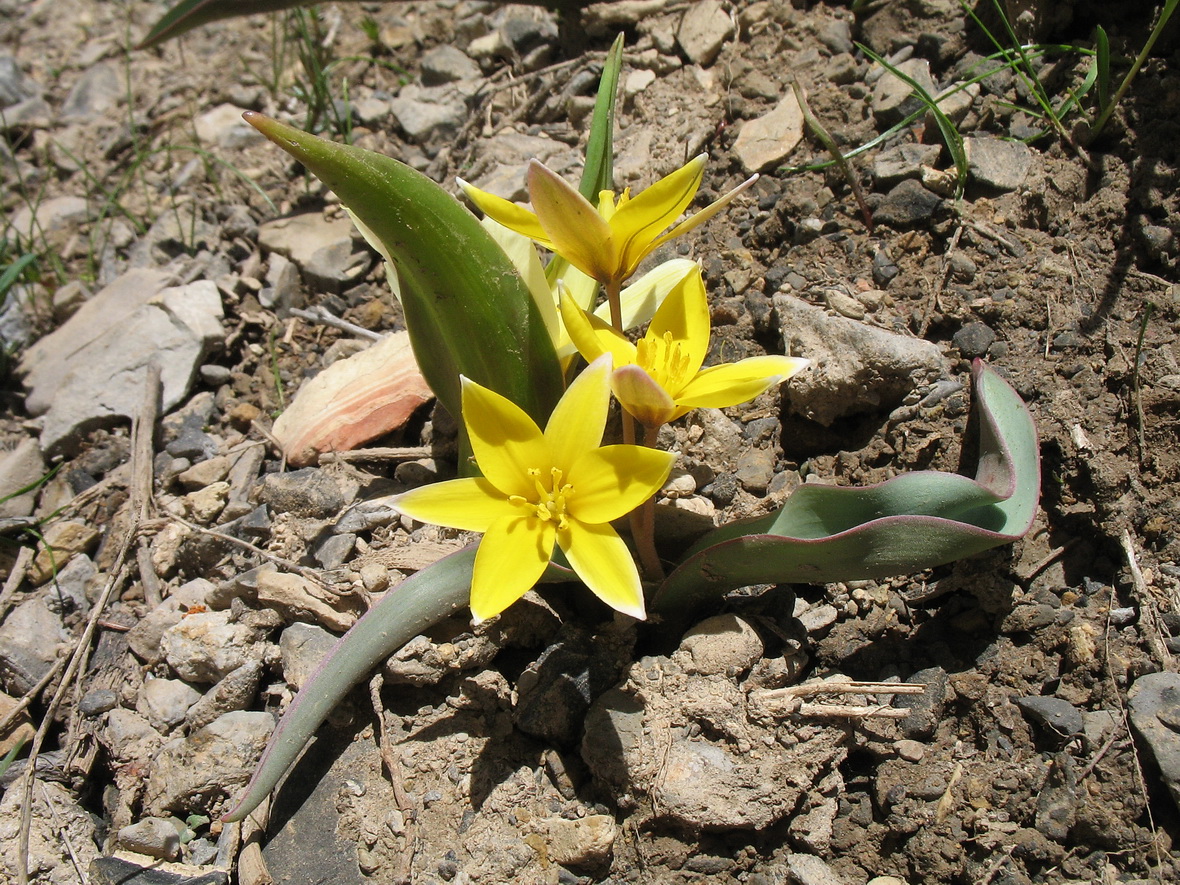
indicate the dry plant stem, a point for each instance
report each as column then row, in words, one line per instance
column 148, row 579
column 1148, row 611
column 825, row 137
column 404, row 803
column 23, row 704
column 24, row 559
column 309, row 573
column 321, row 315
column 63, row 834
column 252, row 869
column 401, row 453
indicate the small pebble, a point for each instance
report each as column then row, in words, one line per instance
column 910, row 751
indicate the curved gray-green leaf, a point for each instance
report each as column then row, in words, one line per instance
column 910, row 523
column 467, row 309
column 419, row 602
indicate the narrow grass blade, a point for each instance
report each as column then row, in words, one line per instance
column 1102, row 66
column 913, row 522
column 598, row 173
column 947, row 129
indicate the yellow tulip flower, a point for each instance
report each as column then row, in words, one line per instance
column 660, row 378
column 544, row 488
column 609, row 241
column 638, row 300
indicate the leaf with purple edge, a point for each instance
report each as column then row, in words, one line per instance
column 910, row 523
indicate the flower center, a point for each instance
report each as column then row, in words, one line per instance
column 664, row 359
column 549, row 503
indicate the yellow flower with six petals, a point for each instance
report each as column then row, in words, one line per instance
column 539, row 489
column 660, row 378
column 609, row 241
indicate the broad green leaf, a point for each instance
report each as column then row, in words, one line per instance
column 419, row 602
column 467, row 309
column 910, row 523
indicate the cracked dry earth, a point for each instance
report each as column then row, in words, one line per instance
column 1030, row 729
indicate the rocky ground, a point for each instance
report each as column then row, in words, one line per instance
column 202, row 576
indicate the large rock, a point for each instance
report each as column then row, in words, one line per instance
column 89, row 372
column 855, row 368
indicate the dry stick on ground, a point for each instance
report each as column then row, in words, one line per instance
column 64, row 834
column 937, row 291
column 24, row 559
column 1154, row 633
column 402, row 453
column 397, row 781
column 793, row 704
column 306, row 572
column 140, row 427
column 252, row 868
column 825, row 137
column 320, row 314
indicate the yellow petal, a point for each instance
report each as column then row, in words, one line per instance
column 639, row 221
column 470, row 504
column 582, row 288
column 505, row 441
column 600, row 558
column 705, row 214
column 574, row 227
column 640, row 300
column 506, row 213
column 733, row 383
column 577, row 422
column 685, row 314
column 594, row 337
column 642, row 396
column 612, row 481
column 524, row 258
column 511, row 558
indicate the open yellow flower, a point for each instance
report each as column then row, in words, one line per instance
column 544, row 488
column 660, row 378
column 638, row 300
column 609, row 241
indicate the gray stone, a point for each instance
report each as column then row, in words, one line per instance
column 223, row 127
column 282, row 290
column 768, row 140
column 204, row 647
column 97, row 92
column 98, row 701
column 1059, row 717
column 856, row 368
column 336, row 267
column 973, row 339
column 904, row 161
column 119, row 871
column 1154, row 701
column 89, row 372
column 755, row 469
column 41, row 221
column 926, row 709
column 893, row 98
column 236, row 691
column 997, row 164
column 165, row 702
column 954, row 102
column 836, row 35
column 723, row 645
column 301, row 648
column 129, row 737
column 807, row 869
column 144, row 638
column 190, row 774
column 31, row 638
column 817, row 618
column 312, row 491
column 19, row 468
column 909, row 204
column 152, row 836
column 299, row 237
column 429, row 114
column 446, row 64
column 56, row 820
column 14, row 85
column 703, row 31
column 72, row 586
